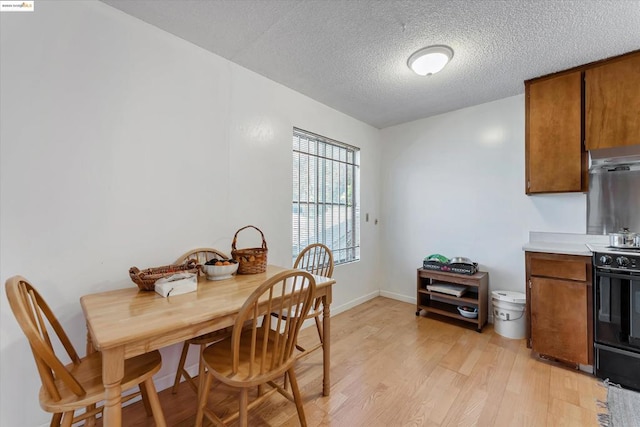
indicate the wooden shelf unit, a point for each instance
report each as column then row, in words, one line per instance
column 446, row 305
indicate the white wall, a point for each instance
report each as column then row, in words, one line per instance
column 123, row 145
column 454, row 185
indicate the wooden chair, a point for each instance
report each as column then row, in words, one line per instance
column 257, row 354
column 316, row 259
column 77, row 385
column 201, row 255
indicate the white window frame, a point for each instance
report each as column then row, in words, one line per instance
column 326, row 195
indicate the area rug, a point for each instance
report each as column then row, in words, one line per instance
column 622, row 405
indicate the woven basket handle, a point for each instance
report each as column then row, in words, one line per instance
column 134, row 272
column 235, row 237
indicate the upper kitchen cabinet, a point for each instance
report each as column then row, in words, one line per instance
column 612, row 103
column 554, row 157
column 592, row 106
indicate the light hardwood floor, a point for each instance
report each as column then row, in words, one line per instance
column 391, row 368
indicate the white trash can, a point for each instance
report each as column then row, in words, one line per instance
column 508, row 313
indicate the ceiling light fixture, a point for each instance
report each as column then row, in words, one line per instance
column 430, row 60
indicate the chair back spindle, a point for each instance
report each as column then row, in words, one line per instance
column 316, row 259
column 273, row 337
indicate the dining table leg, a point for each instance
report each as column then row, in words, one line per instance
column 326, row 343
column 112, row 374
column 91, row 421
column 89, row 348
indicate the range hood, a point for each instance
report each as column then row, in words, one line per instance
column 614, row 190
column 611, row 158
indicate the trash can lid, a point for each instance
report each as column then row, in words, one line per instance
column 510, row 296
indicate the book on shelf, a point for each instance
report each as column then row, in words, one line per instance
column 447, row 288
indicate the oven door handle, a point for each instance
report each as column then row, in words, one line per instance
column 629, row 276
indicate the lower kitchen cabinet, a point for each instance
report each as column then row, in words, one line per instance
column 559, row 306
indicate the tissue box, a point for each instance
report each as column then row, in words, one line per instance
column 179, row 283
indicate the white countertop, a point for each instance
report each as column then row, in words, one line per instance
column 558, row 248
column 563, row 243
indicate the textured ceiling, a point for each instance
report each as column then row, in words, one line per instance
column 351, row 55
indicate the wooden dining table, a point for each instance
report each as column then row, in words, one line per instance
column 124, row 323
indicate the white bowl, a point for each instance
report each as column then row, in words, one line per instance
column 220, row 272
column 469, row 314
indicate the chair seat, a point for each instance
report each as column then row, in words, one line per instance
column 218, row 355
column 89, row 375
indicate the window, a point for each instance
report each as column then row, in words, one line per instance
column 326, row 187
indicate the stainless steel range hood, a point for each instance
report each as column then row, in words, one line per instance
column 613, row 200
column 611, row 157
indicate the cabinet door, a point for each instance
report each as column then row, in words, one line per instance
column 559, row 319
column 554, row 154
column 612, row 103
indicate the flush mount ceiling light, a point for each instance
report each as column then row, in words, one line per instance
column 430, row 60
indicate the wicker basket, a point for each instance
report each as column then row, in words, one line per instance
column 146, row 279
column 251, row 260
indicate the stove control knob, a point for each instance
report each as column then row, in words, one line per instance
column 606, row 260
column 622, row 261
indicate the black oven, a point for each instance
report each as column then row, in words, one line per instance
column 617, row 318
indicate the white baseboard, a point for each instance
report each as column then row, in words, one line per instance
column 353, row 303
column 166, row 381
column 398, row 297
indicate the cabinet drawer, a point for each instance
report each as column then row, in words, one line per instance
column 561, row 269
